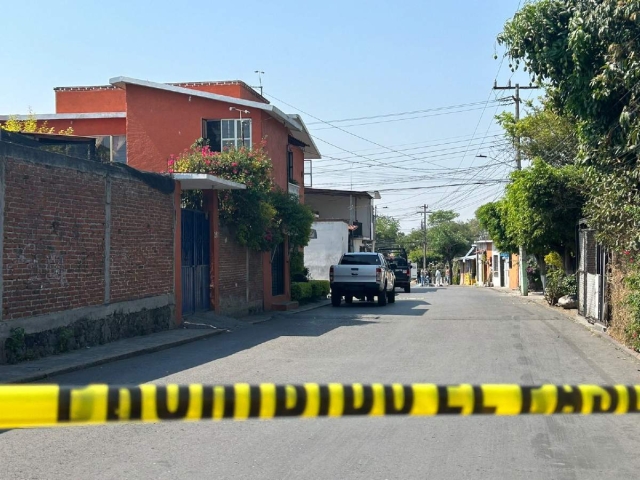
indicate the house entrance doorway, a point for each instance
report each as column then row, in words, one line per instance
column 195, row 261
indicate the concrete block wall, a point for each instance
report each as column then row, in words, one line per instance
column 87, row 252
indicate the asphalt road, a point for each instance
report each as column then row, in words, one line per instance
column 448, row 335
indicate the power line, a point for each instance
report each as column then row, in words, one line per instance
column 413, row 112
column 407, row 165
column 341, row 129
column 497, row 135
column 370, row 150
column 401, row 119
column 487, row 182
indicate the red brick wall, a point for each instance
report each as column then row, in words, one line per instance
column 233, row 277
column 141, row 241
column 53, row 239
column 256, row 290
column 54, row 236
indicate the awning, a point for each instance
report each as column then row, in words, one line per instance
column 204, row 181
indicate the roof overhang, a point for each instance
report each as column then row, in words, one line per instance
column 203, row 181
column 122, row 82
column 311, row 151
column 66, row 116
column 341, row 193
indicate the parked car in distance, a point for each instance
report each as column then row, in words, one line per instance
column 399, row 263
column 363, row 276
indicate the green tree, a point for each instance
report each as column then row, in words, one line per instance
column 539, row 211
column 492, row 218
column 387, row 231
column 587, row 56
column 543, row 134
column 446, row 237
column 543, row 206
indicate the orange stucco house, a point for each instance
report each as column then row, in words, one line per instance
column 142, row 123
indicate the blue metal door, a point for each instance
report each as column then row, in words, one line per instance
column 195, row 261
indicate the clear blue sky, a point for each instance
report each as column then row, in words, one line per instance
column 334, row 60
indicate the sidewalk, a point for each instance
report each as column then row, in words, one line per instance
column 195, row 327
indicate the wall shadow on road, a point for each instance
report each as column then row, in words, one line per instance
column 150, row 367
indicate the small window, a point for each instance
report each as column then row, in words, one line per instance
column 290, row 166
column 112, row 148
column 228, row 134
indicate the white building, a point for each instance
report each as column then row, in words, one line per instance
column 329, row 241
column 355, row 208
column 344, row 223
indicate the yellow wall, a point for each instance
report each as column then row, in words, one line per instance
column 514, row 283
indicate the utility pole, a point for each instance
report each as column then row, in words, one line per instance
column 522, row 270
column 424, row 242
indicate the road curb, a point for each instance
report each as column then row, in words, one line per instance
column 111, row 358
column 307, row 308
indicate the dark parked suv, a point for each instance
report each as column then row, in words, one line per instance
column 398, row 262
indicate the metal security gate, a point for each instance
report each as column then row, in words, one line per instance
column 277, row 271
column 195, row 262
column 591, row 276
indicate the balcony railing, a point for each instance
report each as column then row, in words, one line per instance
column 294, row 189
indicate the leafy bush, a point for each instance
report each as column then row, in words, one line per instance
column 301, row 291
column 260, row 216
column 558, row 283
column 570, row 285
column 555, row 286
column 299, row 273
column 321, row 288
column 554, row 261
column 308, row 291
column 632, row 302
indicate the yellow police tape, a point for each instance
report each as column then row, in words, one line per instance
column 52, row 405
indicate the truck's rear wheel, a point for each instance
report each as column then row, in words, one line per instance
column 382, row 297
column 407, row 289
column 391, row 298
column 336, row 299
column 348, row 299
column 369, row 298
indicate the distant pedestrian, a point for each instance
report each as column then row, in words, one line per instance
column 447, row 278
column 438, row 278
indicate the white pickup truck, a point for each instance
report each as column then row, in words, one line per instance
column 363, row 276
